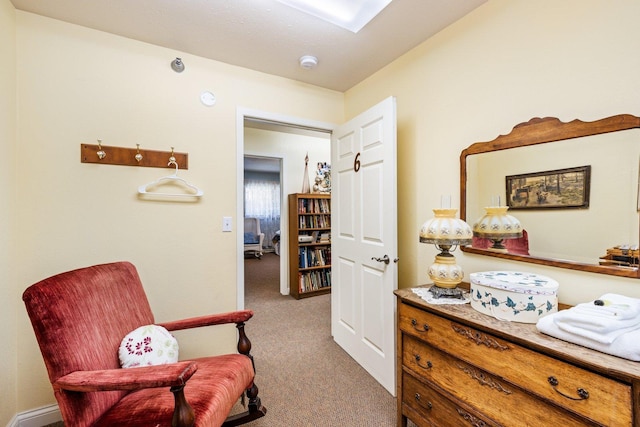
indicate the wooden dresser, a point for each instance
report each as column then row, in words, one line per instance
column 458, row 367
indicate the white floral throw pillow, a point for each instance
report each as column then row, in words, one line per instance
column 148, row 345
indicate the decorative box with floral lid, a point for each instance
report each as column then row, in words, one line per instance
column 515, row 296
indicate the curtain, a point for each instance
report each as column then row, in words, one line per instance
column 262, row 201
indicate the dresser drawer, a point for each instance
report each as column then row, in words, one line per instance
column 499, row 400
column 608, row 401
column 435, row 409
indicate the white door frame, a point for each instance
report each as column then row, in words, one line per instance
column 241, row 114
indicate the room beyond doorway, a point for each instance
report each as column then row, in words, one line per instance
column 262, row 203
column 268, row 135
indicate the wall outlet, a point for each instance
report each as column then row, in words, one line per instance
column 226, row 223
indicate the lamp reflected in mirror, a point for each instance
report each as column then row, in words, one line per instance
column 497, row 226
column 445, row 231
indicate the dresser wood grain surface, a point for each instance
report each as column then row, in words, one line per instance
column 459, row 367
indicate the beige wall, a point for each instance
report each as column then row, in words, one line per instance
column 499, row 66
column 8, row 293
column 76, row 85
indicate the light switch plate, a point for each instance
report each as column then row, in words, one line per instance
column 226, row 223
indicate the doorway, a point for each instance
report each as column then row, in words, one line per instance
column 262, row 218
column 262, row 196
column 287, row 128
column 372, row 132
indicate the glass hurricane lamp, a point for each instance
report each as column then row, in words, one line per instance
column 445, row 231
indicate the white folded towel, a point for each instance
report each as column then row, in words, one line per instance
column 613, row 306
column 626, row 345
column 604, row 335
column 601, row 323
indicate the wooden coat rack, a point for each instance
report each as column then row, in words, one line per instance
column 127, row 156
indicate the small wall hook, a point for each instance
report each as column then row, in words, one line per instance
column 177, row 65
column 101, row 153
column 172, row 158
column 138, row 156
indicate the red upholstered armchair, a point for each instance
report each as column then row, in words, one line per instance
column 80, row 318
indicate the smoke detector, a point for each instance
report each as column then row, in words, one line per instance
column 308, row 62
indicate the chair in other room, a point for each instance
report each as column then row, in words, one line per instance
column 253, row 237
column 82, row 319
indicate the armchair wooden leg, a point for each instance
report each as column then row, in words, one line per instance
column 255, row 409
column 183, row 414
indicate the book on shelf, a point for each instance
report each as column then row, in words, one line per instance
column 320, row 206
column 314, row 280
column 314, row 257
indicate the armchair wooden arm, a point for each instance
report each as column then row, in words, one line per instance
column 208, row 320
column 169, row 375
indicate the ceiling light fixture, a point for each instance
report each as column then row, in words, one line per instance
column 351, row 15
column 308, row 62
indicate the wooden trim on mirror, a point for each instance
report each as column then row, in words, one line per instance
column 541, row 131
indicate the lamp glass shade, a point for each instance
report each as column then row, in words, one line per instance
column 497, row 224
column 445, row 230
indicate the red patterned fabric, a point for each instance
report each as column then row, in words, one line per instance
column 79, row 319
column 519, row 246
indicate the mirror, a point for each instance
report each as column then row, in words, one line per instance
column 572, row 237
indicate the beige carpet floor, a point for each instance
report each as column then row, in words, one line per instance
column 305, row 378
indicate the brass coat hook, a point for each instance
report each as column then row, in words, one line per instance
column 138, row 156
column 101, row 153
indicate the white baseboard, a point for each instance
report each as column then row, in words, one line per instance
column 37, row 417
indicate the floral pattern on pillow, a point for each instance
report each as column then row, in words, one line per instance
column 148, row 345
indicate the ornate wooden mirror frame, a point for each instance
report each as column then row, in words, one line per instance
column 541, row 131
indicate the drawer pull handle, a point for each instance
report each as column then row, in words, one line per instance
column 582, row 393
column 428, row 365
column 424, row 328
column 428, row 404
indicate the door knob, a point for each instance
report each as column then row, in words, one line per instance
column 384, row 259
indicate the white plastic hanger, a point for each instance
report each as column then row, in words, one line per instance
column 171, row 179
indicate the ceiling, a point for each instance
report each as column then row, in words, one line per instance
column 264, row 35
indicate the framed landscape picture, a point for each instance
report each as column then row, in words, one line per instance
column 554, row 189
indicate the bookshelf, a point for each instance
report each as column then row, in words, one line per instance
column 309, row 244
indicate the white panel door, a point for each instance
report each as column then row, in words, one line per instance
column 364, row 229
